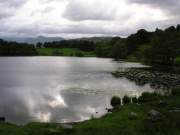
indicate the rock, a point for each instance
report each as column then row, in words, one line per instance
column 109, row 110
column 66, row 126
column 162, row 103
column 133, row 115
column 154, row 115
column 158, row 80
column 175, row 110
column 2, row 119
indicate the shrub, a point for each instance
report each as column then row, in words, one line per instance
column 115, row 101
column 56, row 53
column 148, row 97
column 79, row 54
column 176, row 91
column 135, row 100
column 126, row 100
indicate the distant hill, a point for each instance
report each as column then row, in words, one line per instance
column 96, row 39
column 42, row 39
column 35, row 40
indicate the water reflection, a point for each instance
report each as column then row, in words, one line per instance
column 60, row 89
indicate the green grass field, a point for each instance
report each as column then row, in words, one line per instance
column 64, row 52
column 117, row 123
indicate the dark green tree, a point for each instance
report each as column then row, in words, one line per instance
column 119, row 50
column 135, row 40
column 16, row 49
column 39, row 45
column 165, row 47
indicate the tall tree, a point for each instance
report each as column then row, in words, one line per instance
column 165, row 47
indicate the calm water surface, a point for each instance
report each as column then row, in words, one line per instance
column 60, row 89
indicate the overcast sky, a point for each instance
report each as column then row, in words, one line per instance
column 81, row 18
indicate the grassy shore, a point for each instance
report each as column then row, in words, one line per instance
column 64, row 52
column 120, row 122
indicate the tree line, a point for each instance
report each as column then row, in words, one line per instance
column 16, row 49
column 82, row 45
column 160, row 46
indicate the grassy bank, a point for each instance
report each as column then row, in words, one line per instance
column 64, row 52
column 120, row 122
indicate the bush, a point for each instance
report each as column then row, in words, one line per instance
column 115, row 101
column 135, row 100
column 126, row 100
column 79, row 54
column 176, row 91
column 56, row 53
column 148, row 97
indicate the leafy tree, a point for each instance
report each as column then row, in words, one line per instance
column 119, row 50
column 114, row 40
column 165, row 47
column 39, row 45
column 83, row 45
column 16, row 49
column 170, row 29
column 103, row 49
column 135, row 40
column 178, row 27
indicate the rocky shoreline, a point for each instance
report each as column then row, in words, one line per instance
column 156, row 79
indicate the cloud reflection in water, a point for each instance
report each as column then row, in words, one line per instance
column 60, row 89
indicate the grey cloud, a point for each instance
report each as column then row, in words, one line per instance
column 171, row 6
column 12, row 3
column 86, row 19
column 78, row 11
column 75, row 29
column 82, row 29
column 155, row 2
column 4, row 15
column 8, row 7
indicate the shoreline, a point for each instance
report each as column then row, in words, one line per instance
column 156, row 115
column 156, row 79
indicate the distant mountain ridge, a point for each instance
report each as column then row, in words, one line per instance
column 33, row 40
column 43, row 39
column 96, row 39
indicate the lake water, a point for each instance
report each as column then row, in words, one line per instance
column 60, row 89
